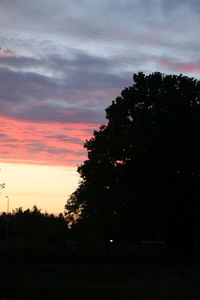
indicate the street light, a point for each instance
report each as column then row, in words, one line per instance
column 8, row 200
column 7, row 219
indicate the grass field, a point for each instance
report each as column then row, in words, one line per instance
column 98, row 281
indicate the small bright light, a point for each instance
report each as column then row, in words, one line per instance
column 111, row 241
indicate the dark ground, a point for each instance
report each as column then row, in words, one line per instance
column 99, row 281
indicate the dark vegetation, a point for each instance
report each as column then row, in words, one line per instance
column 31, row 235
column 141, row 178
column 132, row 228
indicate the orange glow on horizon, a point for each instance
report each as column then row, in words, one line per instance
column 38, row 162
column 45, row 186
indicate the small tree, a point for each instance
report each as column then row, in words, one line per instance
column 142, row 172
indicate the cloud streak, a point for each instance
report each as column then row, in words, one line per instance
column 184, row 67
column 48, row 144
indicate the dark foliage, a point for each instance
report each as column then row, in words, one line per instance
column 30, row 234
column 141, row 178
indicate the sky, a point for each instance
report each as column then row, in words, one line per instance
column 61, row 64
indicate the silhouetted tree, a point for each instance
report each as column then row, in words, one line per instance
column 142, row 173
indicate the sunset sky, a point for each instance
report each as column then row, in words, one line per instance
column 62, row 62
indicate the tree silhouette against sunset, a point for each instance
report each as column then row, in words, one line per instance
column 141, row 178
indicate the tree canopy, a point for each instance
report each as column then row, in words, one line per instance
column 142, row 173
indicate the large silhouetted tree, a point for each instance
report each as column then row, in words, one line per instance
column 142, row 173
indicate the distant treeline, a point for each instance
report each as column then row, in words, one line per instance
column 31, row 235
column 32, row 225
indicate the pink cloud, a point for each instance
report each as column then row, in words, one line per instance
column 7, row 53
column 186, row 67
column 43, row 144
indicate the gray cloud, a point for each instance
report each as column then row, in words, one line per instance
column 53, row 114
column 73, row 97
column 56, row 150
column 87, row 53
column 65, row 138
column 19, row 87
column 4, row 139
column 34, row 147
column 174, row 6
